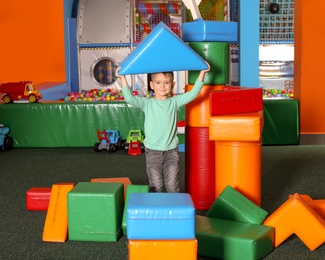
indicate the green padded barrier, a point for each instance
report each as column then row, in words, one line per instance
column 129, row 190
column 95, row 211
column 281, row 122
column 217, row 55
column 232, row 205
column 69, row 124
column 225, row 239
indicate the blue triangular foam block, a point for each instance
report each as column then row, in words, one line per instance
column 162, row 50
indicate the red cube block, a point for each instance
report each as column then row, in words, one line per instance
column 236, row 101
column 38, row 198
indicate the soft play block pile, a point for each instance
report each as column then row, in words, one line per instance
column 143, row 59
column 295, row 216
column 234, row 100
column 38, row 198
column 232, row 205
column 210, row 31
column 226, row 239
column 56, row 221
column 95, row 211
column 130, row 190
column 163, row 249
column 160, row 216
column 236, row 127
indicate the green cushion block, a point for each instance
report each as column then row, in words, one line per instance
column 232, row 205
column 95, row 211
column 181, row 138
column 226, row 239
column 217, row 55
column 129, row 190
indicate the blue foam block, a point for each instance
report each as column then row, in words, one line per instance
column 162, row 50
column 210, row 31
column 160, row 216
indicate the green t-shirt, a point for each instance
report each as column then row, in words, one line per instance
column 160, row 122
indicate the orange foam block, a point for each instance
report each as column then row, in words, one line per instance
column 295, row 216
column 317, row 205
column 198, row 111
column 162, row 249
column 236, row 127
column 126, row 181
column 56, row 221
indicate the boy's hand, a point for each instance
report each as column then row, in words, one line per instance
column 122, row 77
column 202, row 72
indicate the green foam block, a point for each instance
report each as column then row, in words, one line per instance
column 225, row 239
column 232, row 205
column 130, row 190
column 95, row 211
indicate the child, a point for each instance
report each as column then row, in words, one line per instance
column 160, row 127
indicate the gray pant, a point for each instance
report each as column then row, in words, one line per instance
column 163, row 168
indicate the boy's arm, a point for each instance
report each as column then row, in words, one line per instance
column 202, row 73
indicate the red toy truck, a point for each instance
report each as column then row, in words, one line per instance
column 19, row 90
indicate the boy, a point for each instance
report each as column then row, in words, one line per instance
column 160, row 127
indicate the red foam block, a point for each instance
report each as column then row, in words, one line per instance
column 234, row 100
column 38, row 198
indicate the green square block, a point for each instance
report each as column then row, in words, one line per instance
column 225, row 239
column 95, row 211
column 232, row 205
column 130, row 190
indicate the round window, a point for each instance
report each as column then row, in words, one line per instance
column 103, row 71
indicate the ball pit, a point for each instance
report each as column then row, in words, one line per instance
column 277, row 93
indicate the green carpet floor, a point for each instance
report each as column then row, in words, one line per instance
column 285, row 170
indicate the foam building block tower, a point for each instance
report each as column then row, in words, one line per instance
column 56, row 221
column 95, row 211
column 161, row 224
column 295, row 216
column 232, row 229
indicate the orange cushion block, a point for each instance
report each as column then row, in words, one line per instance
column 56, row 221
column 236, row 127
column 198, row 111
column 317, row 205
column 162, row 249
column 126, row 181
column 295, row 216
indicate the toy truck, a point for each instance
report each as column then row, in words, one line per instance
column 134, row 143
column 110, row 140
column 6, row 142
column 23, row 90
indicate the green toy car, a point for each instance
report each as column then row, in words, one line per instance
column 134, row 143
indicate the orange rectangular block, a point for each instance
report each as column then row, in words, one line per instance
column 295, row 216
column 126, row 181
column 236, row 127
column 162, row 249
column 56, row 221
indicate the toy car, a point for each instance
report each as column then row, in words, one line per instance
column 6, row 142
column 110, row 140
column 23, row 90
column 134, row 143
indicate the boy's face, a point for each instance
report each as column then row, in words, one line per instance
column 162, row 85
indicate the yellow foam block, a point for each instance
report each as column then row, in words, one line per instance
column 295, row 216
column 56, row 221
column 317, row 205
column 162, row 249
column 236, row 127
column 126, row 181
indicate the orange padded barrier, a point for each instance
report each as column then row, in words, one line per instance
column 296, row 217
column 162, row 249
column 126, row 181
column 56, row 221
column 238, row 164
column 317, row 205
column 198, row 111
column 236, row 127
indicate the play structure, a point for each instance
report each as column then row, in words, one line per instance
column 223, row 163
